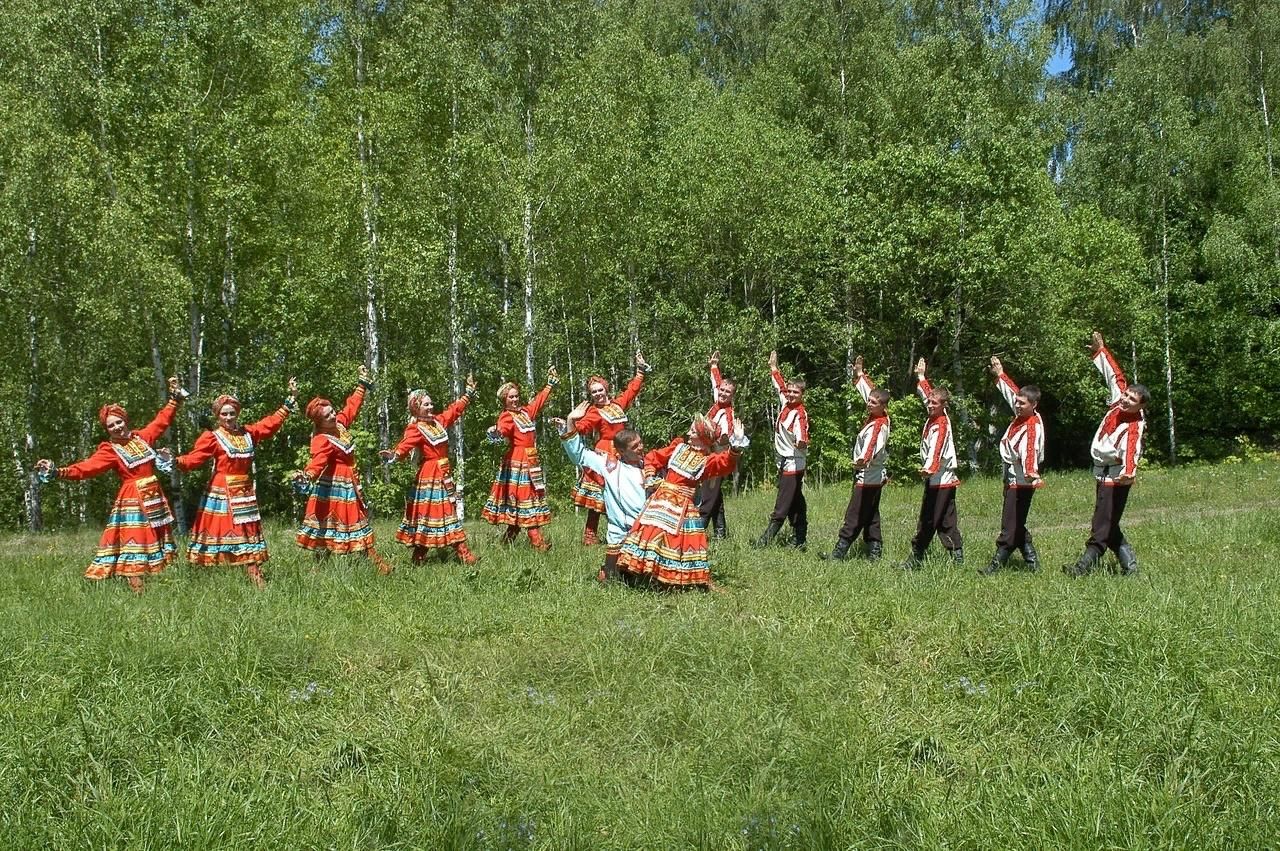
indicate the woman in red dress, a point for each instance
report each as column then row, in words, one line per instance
column 431, row 513
column 228, row 528
column 668, row 542
column 138, row 539
column 518, row 498
column 604, row 418
column 336, row 519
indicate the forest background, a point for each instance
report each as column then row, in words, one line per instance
column 239, row 192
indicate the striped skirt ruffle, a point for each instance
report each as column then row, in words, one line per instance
column 217, row 541
column 668, row 542
column 588, row 491
column 130, row 546
column 335, row 519
column 513, row 499
column 431, row 515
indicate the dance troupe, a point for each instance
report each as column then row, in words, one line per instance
column 657, row 505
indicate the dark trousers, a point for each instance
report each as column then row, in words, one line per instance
column 863, row 515
column 790, row 504
column 711, row 505
column 1013, row 518
column 937, row 514
column 1108, row 508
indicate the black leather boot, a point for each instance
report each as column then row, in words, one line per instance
column 957, row 555
column 913, row 561
column 1128, row 559
column 801, row 535
column 721, row 527
column 998, row 561
column 875, row 549
column 1030, row 556
column 839, row 553
column 1084, row 565
column 771, row 532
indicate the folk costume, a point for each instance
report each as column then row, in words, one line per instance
column 790, row 430
column 1021, row 454
column 939, row 466
column 668, row 543
column 138, row 539
column 228, row 527
column 518, row 498
column 336, row 519
column 871, row 450
column 431, row 519
column 603, row 422
column 710, row 494
column 623, row 491
column 1116, row 449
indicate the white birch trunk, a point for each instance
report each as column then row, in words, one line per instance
column 530, row 249
column 230, row 293
column 1168, row 338
column 455, row 308
column 33, row 512
column 368, row 213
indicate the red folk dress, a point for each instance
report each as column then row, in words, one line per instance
column 519, row 493
column 669, row 541
column 603, row 421
column 431, row 513
column 228, row 527
column 336, row 519
column 138, row 539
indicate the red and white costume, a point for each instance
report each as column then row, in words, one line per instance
column 937, row 448
column 1117, row 444
column 872, row 444
column 1022, row 447
column 431, row 512
column 791, row 428
column 336, row 519
column 518, row 498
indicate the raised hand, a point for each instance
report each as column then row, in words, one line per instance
column 856, row 367
column 362, row 372
column 560, row 424
column 773, row 359
column 642, row 366
column 553, row 377
column 580, row 410
column 1095, row 342
column 920, row 368
column 44, row 465
column 176, row 390
column 714, row 360
column 387, row 454
column 471, row 384
column 293, row 389
column 996, row 367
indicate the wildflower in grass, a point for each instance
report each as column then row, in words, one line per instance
column 538, row 698
column 970, row 687
column 761, row 832
column 308, row 692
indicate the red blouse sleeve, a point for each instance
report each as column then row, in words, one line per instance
column 352, row 409
column 720, row 464
column 103, row 460
column 412, row 440
column 152, row 431
column 656, row 459
column 268, row 425
column 590, row 422
column 451, row 413
column 320, row 446
column 536, row 403
column 506, row 425
column 200, row 454
column 626, row 397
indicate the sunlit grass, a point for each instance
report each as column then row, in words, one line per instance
column 516, row 704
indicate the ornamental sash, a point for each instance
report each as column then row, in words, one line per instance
column 524, row 423
column 613, row 414
column 342, row 440
column 242, row 500
column 155, row 508
column 537, row 477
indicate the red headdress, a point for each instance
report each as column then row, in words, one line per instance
column 224, row 400
column 598, row 379
column 111, row 410
column 315, row 406
column 704, row 430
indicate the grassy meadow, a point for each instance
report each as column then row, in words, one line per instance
column 811, row 705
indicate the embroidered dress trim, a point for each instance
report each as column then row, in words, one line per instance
column 613, row 414
column 134, row 453
column 235, row 445
column 432, row 432
column 523, row 421
column 343, row 440
column 688, row 462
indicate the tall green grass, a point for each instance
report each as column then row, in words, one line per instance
column 811, row 705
